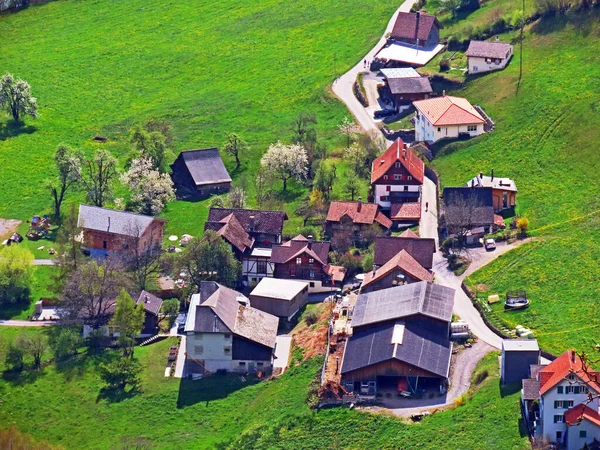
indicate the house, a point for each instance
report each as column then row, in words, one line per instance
column 400, row 269
column 224, row 334
column 518, row 355
column 488, row 56
column 416, row 29
column 279, row 297
column 251, row 233
column 200, row 174
column 405, row 86
column 557, row 403
column 400, row 339
column 504, row 190
column 421, row 249
column 354, row 223
column 446, row 117
column 397, row 178
column 469, row 212
column 107, row 231
column 305, row 260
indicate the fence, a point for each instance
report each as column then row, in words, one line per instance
column 329, row 331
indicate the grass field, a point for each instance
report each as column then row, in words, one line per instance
column 223, row 412
column 206, row 68
column 546, row 139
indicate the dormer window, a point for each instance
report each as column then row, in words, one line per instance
column 398, row 165
column 298, row 261
column 385, row 177
column 409, row 178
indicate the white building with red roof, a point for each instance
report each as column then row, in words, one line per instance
column 446, row 117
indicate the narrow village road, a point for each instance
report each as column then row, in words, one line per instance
column 43, row 262
column 342, row 87
column 28, row 323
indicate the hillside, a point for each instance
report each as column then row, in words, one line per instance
column 547, row 139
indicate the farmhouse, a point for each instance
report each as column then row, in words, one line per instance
column 401, row 269
column 281, row 298
column 504, row 190
column 420, row 30
column 421, row 249
column 396, row 178
column 251, row 234
column 488, row 56
column 400, row 337
column 354, row 223
column 200, row 173
column 405, row 86
column 223, row 334
column 557, row 404
column 106, row 231
column 303, row 259
column 446, row 117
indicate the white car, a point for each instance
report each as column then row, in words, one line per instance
column 489, row 244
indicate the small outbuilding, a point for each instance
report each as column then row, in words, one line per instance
column 486, row 56
column 281, row 298
column 518, row 355
column 406, row 86
column 200, row 173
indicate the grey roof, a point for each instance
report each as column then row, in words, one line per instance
column 205, row 166
column 402, row 72
column 112, row 221
column 520, row 345
column 279, row 288
column 506, row 184
column 484, row 49
column 151, row 302
column 216, row 310
column 423, row 345
column 397, row 302
column 531, row 389
column 420, row 85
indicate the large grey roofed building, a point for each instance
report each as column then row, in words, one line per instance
column 112, row 221
column 206, row 166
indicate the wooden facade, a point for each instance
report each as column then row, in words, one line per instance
column 303, row 267
column 503, row 199
column 396, row 277
column 389, row 368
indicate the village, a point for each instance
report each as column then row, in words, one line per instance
column 373, row 285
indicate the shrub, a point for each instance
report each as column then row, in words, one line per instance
column 170, row 306
column 66, row 344
column 444, row 65
column 367, row 263
column 522, row 225
column 311, row 318
column 460, row 401
column 120, row 373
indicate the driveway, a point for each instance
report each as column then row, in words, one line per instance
column 28, row 323
column 43, row 262
column 282, row 352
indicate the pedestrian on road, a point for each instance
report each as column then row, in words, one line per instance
column 426, row 206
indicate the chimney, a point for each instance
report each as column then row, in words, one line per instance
column 497, row 38
column 108, row 229
column 359, row 207
column 310, row 241
column 417, row 28
column 403, row 153
column 444, row 93
column 147, row 299
column 492, row 174
column 251, row 223
column 480, row 174
column 573, row 356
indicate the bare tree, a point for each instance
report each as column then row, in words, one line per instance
column 35, row 345
column 235, row 145
column 465, row 212
column 262, row 187
column 69, row 253
column 97, row 175
column 68, row 168
column 143, row 256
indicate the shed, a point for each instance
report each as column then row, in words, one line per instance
column 282, row 298
column 200, row 173
column 517, row 356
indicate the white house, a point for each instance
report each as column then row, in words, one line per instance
column 446, row 117
column 488, row 56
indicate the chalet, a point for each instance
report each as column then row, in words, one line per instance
column 416, row 29
column 401, row 269
column 504, row 190
column 488, row 56
column 397, row 178
column 354, row 223
column 405, row 86
column 557, row 403
column 400, row 338
column 446, row 117
column 107, row 231
column 469, row 212
column 421, row 249
column 305, row 260
column 224, row 334
column 279, row 297
column 251, row 234
column 200, row 173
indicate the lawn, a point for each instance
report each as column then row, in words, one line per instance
column 546, row 139
column 208, row 68
column 224, row 412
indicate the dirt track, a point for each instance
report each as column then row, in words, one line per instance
column 7, row 227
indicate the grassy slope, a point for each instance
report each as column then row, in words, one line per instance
column 208, row 68
column 547, row 140
column 178, row 416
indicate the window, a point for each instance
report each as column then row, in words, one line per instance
column 439, row 129
column 584, row 389
column 582, row 433
column 311, row 260
column 198, row 349
column 312, row 284
column 385, row 177
column 227, row 336
column 388, row 188
column 292, row 272
column 104, row 245
column 227, row 350
column 397, row 176
column 384, row 198
column 409, row 178
column 576, row 389
column 398, row 164
column 405, row 188
column 311, row 274
column 558, row 435
column 559, row 418
column 261, row 266
column 298, row 260
column 259, row 364
column 559, row 389
column 242, row 364
column 471, row 127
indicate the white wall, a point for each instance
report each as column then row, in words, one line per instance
column 480, row 65
column 249, row 269
column 318, row 286
column 574, row 442
column 425, row 131
column 213, row 346
column 381, row 191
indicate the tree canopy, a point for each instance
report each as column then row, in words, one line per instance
column 16, row 271
column 285, row 162
column 150, row 189
column 16, row 98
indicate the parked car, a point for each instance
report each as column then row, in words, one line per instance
column 380, row 113
column 489, row 244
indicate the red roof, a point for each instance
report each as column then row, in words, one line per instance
column 499, row 221
column 406, row 26
column 408, row 233
column 580, row 412
column 233, row 231
column 405, row 211
column 565, row 364
column 448, row 110
column 358, row 212
column 297, row 246
column 337, row 273
column 398, row 151
column 402, row 261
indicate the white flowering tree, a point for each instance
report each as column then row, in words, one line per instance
column 285, row 162
column 150, row 189
column 349, row 129
column 16, row 99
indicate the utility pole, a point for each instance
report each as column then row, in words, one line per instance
column 521, row 45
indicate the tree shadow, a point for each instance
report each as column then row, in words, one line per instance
column 22, row 377
column 509, row 389
column 13, row 129
column 114, row 395
column 209, row 388
column 9, row 311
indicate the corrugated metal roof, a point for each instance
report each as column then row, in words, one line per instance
column 402, row 72
column 278, row 288
column 522, row 345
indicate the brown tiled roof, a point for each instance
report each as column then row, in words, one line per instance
column 403, row 261
column 296, row 247
column 499, row 221
column 582, row 412
column 337, row 273
column 151, row 302
column 408, row 233
column 234, row 233
column 405, row 211
column 448, row 110
column 270, row 222
column 406, row 26
column 531, row 389
column 422, row 249
column 398, row 151
column 358, row 212
column 484, row 49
